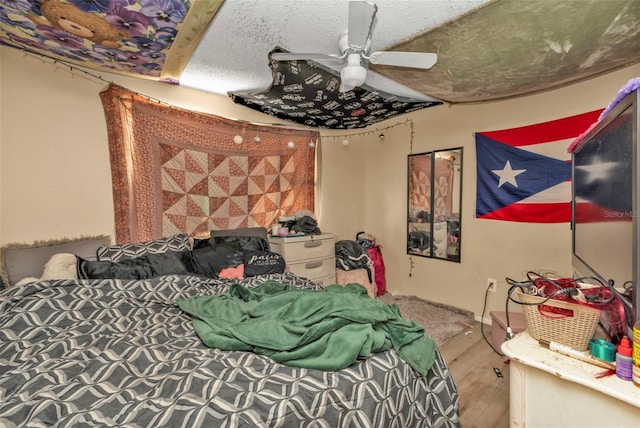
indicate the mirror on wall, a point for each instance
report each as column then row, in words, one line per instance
column 434, row 200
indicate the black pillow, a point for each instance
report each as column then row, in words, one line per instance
column 233, row 247
column 143, row 267
column 246, row 243
column 262, row 263
column 210, row 260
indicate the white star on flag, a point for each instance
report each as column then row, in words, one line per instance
column 507, row 174
column 599, row 169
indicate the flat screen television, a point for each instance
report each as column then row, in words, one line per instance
column 605, row 199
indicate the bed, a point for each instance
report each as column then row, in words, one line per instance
column 121, row 352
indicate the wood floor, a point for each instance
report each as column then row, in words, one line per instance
column 484, row 395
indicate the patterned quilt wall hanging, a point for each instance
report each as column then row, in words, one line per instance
column 176, row 170
column 306, row 92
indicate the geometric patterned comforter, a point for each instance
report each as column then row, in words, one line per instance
column 121, row 353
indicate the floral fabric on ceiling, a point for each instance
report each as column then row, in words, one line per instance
column 131, row 37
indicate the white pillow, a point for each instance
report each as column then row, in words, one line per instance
column 61, row 266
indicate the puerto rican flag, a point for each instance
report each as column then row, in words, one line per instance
column 524, row 174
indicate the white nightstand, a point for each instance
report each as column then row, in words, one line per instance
column 310, row 256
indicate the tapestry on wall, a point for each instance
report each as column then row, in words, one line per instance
column 176, row 170
column 524, row 174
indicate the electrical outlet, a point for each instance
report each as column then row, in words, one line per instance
column 492, row 284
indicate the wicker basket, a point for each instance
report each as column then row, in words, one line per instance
column 559, row 321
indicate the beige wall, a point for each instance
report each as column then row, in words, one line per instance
column 55, row 178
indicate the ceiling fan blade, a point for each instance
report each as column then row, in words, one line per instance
column 404, row 59
column 361, row 15
column 379, row 82
column 291, row 56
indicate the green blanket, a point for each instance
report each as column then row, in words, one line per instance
column 326, row 330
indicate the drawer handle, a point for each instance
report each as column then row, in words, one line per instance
column 311, row 244
column 313, row 265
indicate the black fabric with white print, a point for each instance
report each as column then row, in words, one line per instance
column 305, row 92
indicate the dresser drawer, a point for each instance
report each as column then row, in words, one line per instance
column 300, row 248
column 314, row 269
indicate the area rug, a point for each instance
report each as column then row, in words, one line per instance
column 441, row 322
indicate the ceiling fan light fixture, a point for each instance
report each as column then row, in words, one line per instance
column 353, row 74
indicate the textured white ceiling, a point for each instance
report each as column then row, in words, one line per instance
column 233, row 55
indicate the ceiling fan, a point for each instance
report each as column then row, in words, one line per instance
column 354, row 45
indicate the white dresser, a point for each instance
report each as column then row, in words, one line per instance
column 310, row 256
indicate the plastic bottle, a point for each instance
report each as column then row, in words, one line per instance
column 636, row 354
column 624, row 360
